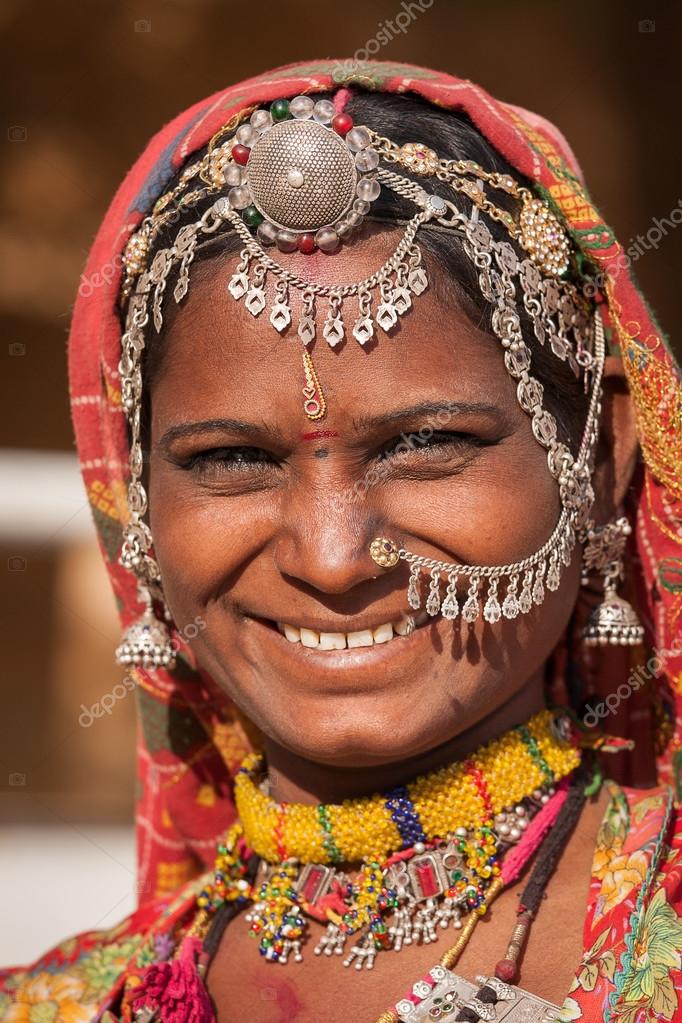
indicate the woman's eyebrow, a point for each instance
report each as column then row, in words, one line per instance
column 238, row 426
column 427, row 408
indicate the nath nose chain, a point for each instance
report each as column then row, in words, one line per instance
column 301, row 177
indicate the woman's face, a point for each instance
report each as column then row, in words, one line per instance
column 263, row 518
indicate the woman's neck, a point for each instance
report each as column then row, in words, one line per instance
column 295, row 779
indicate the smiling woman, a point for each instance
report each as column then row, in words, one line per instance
column 376, row 732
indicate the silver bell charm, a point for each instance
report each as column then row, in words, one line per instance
column 613, row 621
column 147, row 642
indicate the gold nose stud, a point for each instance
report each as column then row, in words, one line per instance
column 384, row 552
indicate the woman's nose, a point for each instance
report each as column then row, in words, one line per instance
column 324, row 540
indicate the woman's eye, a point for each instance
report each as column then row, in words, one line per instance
column 429, row 443
column 228, row 459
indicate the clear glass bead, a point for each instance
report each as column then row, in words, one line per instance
column 246, row 135
column 323, row 111
column 239, row 196
column 261, row 119
column 360, row 206
column 266, row 233
column 327, row 240
column 301, row 107
column 368, row 189
column 358, row 138
column 367, row 160
column 286, row 241
column 234, row 174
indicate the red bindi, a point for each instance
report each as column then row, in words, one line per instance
column 317, row 434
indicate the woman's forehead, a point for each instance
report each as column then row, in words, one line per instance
column 214, row 353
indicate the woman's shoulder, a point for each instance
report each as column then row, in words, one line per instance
column 81, row 975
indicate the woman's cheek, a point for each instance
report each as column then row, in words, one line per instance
column 201, row 539
column 492, row 514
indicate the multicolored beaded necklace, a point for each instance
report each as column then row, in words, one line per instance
column 428, row 852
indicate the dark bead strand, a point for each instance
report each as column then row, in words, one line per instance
column 550, row 852
column 227, row 912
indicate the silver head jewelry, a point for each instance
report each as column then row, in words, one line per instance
column 299, row 176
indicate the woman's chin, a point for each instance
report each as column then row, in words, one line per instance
column 351, row 739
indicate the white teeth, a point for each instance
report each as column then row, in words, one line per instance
column 341, row 640
column 310, row 638
column 362, row 638
column 332, row 641
column 383, row 633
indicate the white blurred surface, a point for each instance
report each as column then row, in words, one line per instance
column 27, row 476
column 56, row 881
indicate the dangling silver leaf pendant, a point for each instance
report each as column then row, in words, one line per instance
column 239, row 285
column 280, row 316
column 333, row 330
column 255, row 301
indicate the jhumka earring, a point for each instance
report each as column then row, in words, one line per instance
column 613, row 620
column 147, row 643
column 301, row 176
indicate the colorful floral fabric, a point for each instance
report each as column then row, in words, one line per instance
column 630, row 972
column 632, row 968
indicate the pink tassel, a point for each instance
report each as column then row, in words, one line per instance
column 516, row 859
column 175, row 989
column 340, row 99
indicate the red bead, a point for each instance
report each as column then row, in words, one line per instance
column 506, row 970
column 306, row 243
column 241, row 154
column 342, row 123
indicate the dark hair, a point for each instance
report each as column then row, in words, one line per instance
column 452, row 135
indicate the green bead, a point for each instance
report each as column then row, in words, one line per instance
column 252, row 217
column 280, row 110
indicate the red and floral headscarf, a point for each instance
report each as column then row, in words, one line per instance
column 185, row 799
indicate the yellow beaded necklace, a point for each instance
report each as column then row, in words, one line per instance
column 496, row 776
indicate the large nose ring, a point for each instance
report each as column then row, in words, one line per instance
column 384, row 552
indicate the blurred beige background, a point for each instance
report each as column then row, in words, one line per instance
column 87, row 83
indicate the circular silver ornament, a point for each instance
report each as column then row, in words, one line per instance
column 302, row 176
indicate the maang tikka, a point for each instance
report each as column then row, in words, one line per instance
column 301, row 176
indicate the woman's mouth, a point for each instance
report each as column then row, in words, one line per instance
column 382, row 633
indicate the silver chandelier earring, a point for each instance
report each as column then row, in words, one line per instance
column 614, row 620
column 147, row 643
